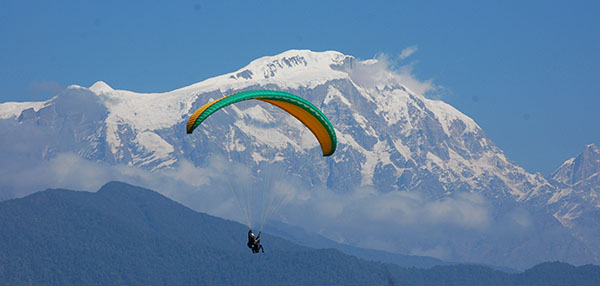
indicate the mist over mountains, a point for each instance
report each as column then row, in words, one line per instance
column 410, row 175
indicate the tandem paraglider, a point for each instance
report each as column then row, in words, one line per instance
column 254, row 242
column 301, row 109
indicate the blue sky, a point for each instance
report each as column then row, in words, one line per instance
column 528, row 72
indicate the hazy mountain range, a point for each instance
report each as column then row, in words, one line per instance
column 410, row 175
column 129, row 235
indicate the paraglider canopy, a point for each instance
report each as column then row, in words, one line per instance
column 298, row 107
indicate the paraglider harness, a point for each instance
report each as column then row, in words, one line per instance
column 254, row 242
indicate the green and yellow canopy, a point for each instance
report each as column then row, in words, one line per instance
column 298, row 107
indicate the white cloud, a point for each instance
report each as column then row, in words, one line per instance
column 437, row 251
column 402, row 209
column 380, row 72
column 371, row 219
column 405, row 75
column 400, row 221
column 408, row 52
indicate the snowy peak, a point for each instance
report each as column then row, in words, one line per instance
column 289, row 63
column 591, row 152
column 584, row 167
column 577, row 182
column 288, row 70
column 14, row 109
column 100, row 87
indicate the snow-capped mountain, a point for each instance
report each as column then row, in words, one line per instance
column 579, row 181
column 577, row 203
column 581, row 172
column 390, row 138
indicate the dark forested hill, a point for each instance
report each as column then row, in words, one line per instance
column 126, row 235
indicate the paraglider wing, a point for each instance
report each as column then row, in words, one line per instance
column 298, row 107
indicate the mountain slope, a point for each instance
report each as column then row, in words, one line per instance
column 124, row 234
column 304, row 238
column 128, row 235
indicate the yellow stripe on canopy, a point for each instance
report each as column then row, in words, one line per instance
column 307, row 119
